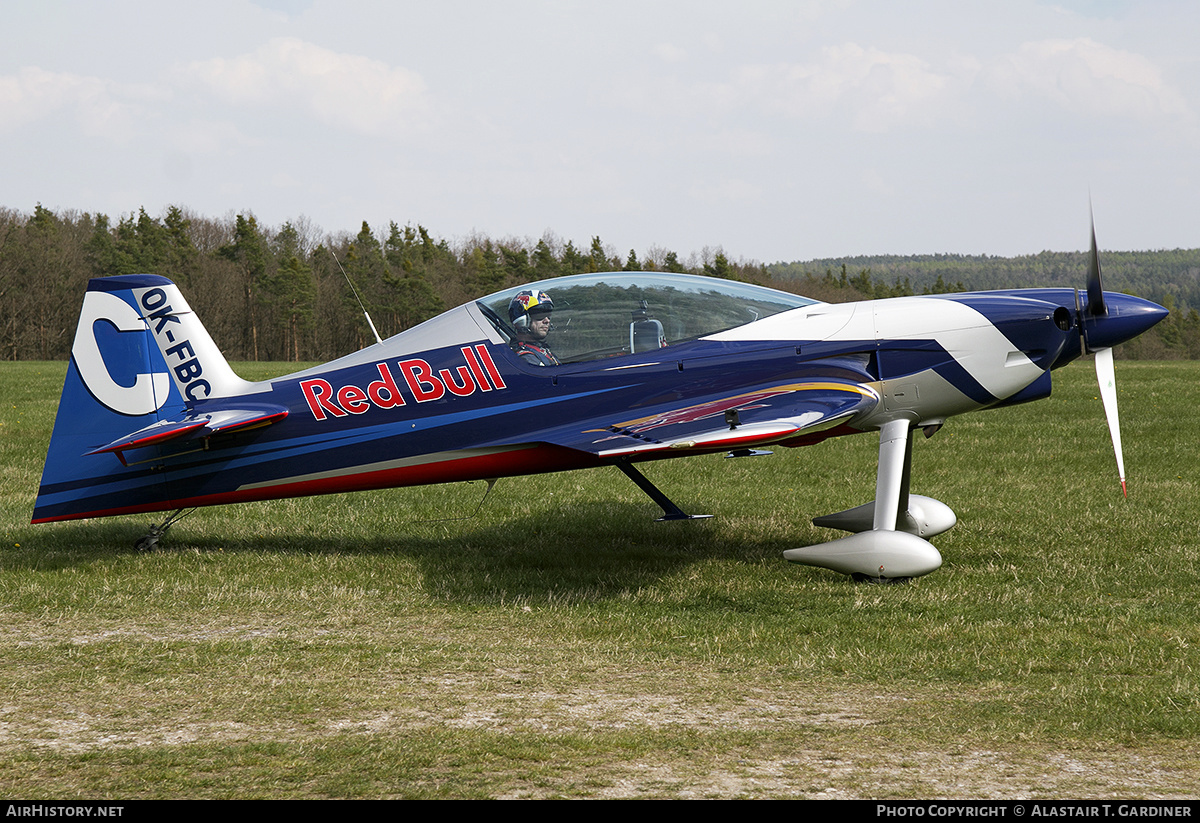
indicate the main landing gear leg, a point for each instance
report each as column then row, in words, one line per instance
column 670, row 510
column 149, row 541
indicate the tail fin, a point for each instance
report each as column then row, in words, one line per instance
column 140, row 358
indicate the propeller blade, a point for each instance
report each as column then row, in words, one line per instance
column 1107, row 377
column 1083, row 344
column 1095, row 291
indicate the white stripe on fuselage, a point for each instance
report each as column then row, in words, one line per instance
column 388, row 465
column 967, row 335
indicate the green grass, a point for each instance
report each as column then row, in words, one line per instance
column 561, row 644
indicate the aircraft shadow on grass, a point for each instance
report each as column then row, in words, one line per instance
column 535, row 559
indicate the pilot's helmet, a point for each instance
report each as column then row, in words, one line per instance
column 527, row 305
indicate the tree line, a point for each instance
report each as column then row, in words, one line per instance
column 284, row 293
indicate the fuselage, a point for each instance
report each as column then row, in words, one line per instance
column 450, row 400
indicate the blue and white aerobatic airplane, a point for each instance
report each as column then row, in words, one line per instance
column 643, row 366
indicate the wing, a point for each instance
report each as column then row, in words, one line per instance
column 776, row 414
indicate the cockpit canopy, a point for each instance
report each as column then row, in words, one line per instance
column 612, row 313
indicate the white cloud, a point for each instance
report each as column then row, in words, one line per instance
column 344, row 90
column 1087, row 77
column 200, row 136
column 725, row 193
column 878, row 89
column 670, row 53
column 101, row 107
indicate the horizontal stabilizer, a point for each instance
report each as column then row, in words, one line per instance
column 160, row 432
column 195, row 426
column 228, row 420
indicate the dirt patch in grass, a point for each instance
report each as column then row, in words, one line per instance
column 765, row 744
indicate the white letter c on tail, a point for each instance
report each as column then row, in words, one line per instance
column 148, row 392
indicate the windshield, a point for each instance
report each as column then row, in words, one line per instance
column 613, row 313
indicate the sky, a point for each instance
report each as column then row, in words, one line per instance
column 772, row 131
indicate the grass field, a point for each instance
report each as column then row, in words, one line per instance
column 561, row 644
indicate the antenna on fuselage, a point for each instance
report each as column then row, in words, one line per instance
column 378, row 339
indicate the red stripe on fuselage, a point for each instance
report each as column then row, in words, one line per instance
column 520, row 460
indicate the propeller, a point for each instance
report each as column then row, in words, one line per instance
column 1106, row 374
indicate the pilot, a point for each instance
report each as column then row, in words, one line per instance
column 529, row 312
